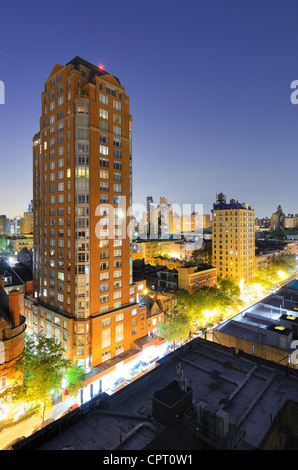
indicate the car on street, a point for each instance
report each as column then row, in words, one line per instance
column 70, row 409
column 121, row 382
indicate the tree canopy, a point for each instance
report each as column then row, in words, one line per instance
column 269, row 278
column 40, row 370
column 200, row 309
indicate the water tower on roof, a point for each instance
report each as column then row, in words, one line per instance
column 221, row 198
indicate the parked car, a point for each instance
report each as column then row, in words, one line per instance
column 70, row 409
column 119, row 384
column 134, row 371
column 148, row 364
column 44, row 424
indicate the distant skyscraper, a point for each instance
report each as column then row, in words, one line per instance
column 149, row 202
column 30, row 206
column 277, row 219
column 233, row 239
column 82, row 175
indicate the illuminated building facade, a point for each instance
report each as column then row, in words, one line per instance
column 82, row 170
column 233, row 239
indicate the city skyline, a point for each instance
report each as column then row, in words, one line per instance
column 210, row 87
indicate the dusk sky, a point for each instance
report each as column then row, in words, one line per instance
column 209, row 85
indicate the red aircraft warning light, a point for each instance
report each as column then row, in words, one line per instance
column 100, row 67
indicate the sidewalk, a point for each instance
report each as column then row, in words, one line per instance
column 27, row 427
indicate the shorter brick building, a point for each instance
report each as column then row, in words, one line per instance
column 193, row 278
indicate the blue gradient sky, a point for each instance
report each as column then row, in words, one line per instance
column 209, row 84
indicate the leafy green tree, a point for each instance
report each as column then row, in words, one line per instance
column 177, row 325
column 286, row 263
column 3, row 244
column 75, row 377
column 40, row 370
column 266, row 278
column 200, row 309
column 202, row 255
column 228, row 285
column 269, row 278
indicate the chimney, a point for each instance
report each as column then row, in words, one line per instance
column 14, row 307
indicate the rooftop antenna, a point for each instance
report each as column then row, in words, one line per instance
column 182, row 381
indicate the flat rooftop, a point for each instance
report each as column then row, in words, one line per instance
column 253, row 322
column 251, row 391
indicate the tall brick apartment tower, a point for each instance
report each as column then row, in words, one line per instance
column 82, row 160
column 233, row 239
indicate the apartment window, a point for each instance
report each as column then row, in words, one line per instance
column 104, row 174
column 117, row 177
column 117, row 130
column 104, row 287
column 117, row 295
column 117, row 165
column 104, row 162
column 117, row 153
column 104, row 276
column 104, row 186
column 119, row 332
column 119, row 349
column 60, row 126
column 82, row 108
column 110, row 91
column 119, row 317
column 104, row 309
column 117, row 119
column 104, row 150
column 117, row 142
column 106, row 338
column 103, row 113
column 117, row 188
column 106, row 355
column 104, row 125
column 104, row 298
column 104, row 138
column 104, row 254
column 103, row 99
column 104, row 198
column 117, row 273
column 106, row 322
column 117, row 105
